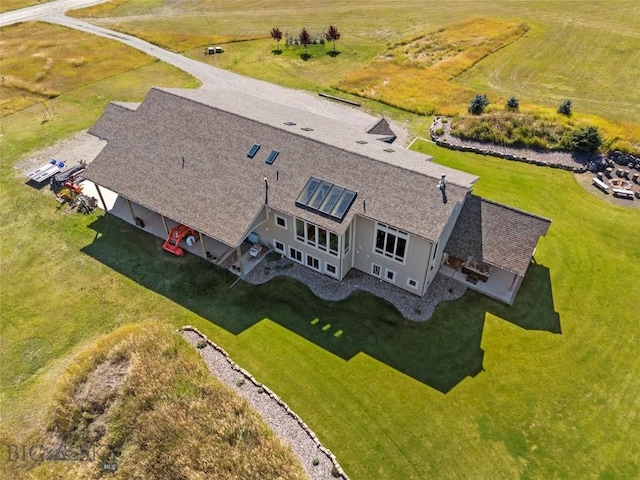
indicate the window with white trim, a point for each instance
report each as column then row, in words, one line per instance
column 390, row 276
column 376, row 270
column 295, row 254
column 390, row 242
column 281, row 222
column 313, row 262
column 300, row 230
column 278, row 246
column 412, row 283
column 331, row 269
column 317, row 237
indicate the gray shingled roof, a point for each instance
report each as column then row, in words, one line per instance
column 220, row 191
column 496, row 234
column 113, row 118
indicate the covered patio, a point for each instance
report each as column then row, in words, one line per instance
column 206, row 247
column 491, row 246
column 494, row 282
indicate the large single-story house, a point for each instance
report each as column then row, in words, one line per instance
column 319, row 190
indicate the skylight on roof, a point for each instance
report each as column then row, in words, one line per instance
column 291, row 124
column 362, row 142
column 326, row 199
column 272, row 157
column 254, row 150
column 389, row 150
column 307, row 129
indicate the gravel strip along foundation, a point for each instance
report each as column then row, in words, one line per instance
column 284, row 423
column 412, row 307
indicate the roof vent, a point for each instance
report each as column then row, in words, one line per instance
column 362, row 142
column 290, row 124
column 389, row 150
column 307, row 129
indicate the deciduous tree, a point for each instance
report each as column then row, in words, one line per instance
column 305, row 38
column 332, row 35
column 276, row 34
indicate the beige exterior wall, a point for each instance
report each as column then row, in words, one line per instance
column 414, row 267
column 271, row 233
column 437, row 257
column 414, row 275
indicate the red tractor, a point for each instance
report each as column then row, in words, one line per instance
column 176, row 235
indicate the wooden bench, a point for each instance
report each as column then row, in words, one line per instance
column 623, row 193
column 599, row 183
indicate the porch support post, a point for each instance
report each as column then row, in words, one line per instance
column 354, row 245
column 104, row 205
column 513, row 282
column 204, row 252
column 133, row 215
column 239, row 253
column 164, row 222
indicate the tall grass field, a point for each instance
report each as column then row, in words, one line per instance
column 578, row 50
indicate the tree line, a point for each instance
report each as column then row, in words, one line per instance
column 304, row 37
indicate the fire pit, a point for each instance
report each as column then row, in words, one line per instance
column 621, row 184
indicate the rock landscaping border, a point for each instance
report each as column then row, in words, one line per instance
column 317, row 460
column 554, row 159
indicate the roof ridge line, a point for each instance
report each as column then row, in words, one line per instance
column 161, row 89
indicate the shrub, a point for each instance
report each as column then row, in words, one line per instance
column 513, row 104
column 334, row 472
column 439, row 132
column 240, row 382
column 514, row 129
column 201, row 344
column 315, row 462
column 586, row 139
column 272, row 257
column 565, row 108
column 478, row 104
column 260, row 390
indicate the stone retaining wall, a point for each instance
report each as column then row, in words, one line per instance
column 441, row 140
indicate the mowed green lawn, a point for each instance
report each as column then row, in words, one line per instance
column 582, row 50
column 480, row 391
column 549, row 388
